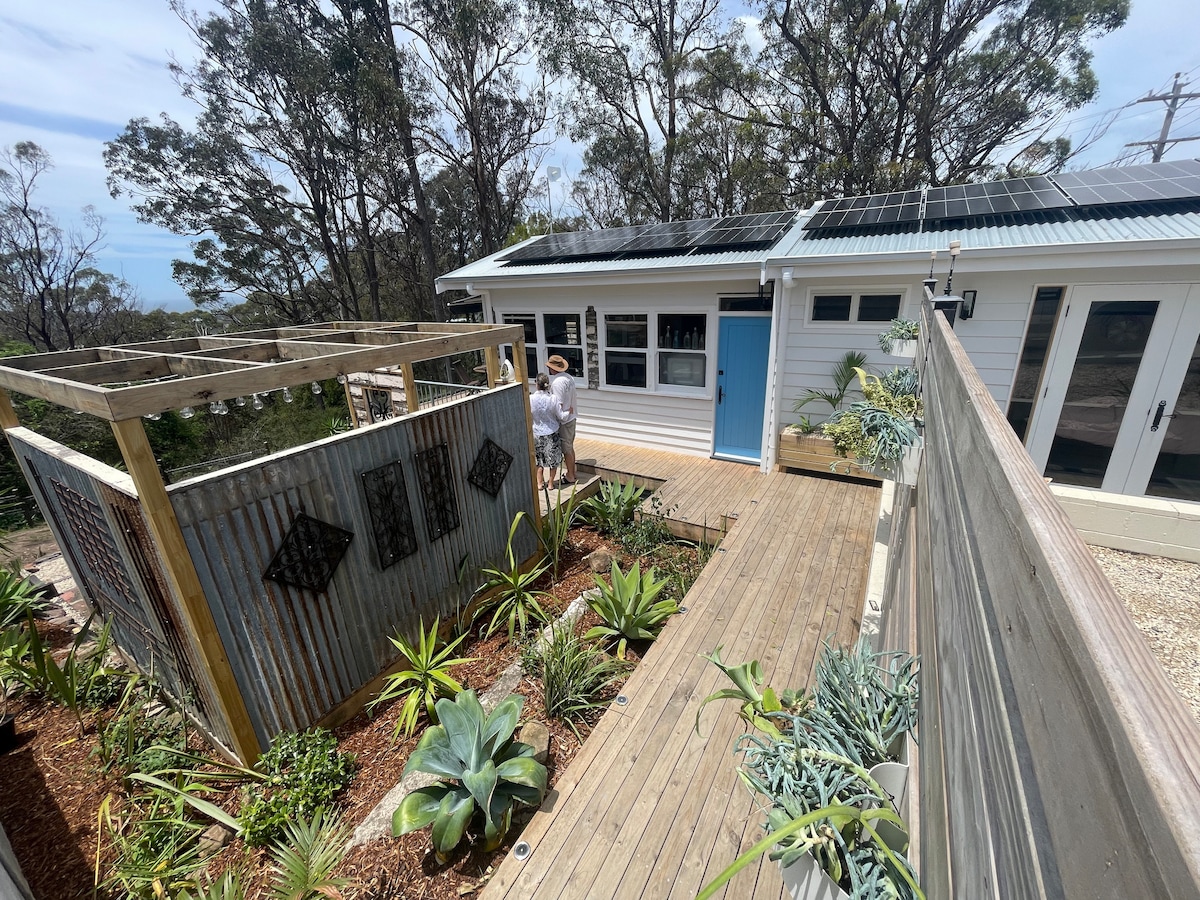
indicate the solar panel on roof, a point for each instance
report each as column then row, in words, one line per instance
column 678, row 238
column 1174, row 180
column 872, row 209
column 1011, row 195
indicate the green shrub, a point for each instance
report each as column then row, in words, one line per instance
column 576, row 676
column 302, row 773
column 425, row 682
column 647, row 533
column 898, row 330
column 483, row 769
column 628, row 607
column 514, row 600
column 131, row 741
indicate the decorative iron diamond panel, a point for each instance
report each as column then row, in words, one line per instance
column 391, row 519
column 437, row 490
column 310, row 554
column 491, row 465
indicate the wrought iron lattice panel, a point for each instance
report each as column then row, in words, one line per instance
column 490, row 467
column 86, row 521
column 310, row 554
column 437, row 490
column 391, row 518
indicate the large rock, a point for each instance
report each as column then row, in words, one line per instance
column 216, row 837
column 537, row 736
column 599, row 561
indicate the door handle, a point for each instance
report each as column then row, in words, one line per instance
column 720, row 394
column 1158, row 415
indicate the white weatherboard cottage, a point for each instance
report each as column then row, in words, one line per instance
column 698, row 337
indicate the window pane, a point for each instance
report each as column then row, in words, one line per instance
column 563, row 329
column 878, row 307
column 530, row 323
column 831, row 308
column 684, row 369
column 1033, row 358
column 573, row 356
column 682, row 332
column 625, row 331
column 760, row 302
column 626, row 369
column 1177, row 471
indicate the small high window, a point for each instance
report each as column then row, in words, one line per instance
column 865, row 307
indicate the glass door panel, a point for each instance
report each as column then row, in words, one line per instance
column 1106, row 366
column 1177, row 470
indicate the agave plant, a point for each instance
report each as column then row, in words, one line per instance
column 628, row 608
column 427, row 681
column 757, row 705
column 613, row 507
column 482, row 767
column 898, row 330
column 514, row 600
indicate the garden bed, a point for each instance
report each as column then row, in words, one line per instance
column 55, row 790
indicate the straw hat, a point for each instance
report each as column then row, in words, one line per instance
column 557, row 364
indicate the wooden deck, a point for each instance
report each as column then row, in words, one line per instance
column 700, row 497
column 649, row 809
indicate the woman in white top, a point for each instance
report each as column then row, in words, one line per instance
column 547, row 416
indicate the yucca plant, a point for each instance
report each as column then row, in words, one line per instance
column 75, row 682
column 556, row 527
column 613, row 506
column 514, row 600
column 629, row 608
column 483, row 770
column 576, row 676
column 425, row 681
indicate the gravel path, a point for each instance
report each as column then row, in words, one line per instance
column 1163, row 597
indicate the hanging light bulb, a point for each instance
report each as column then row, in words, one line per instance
column 187, row 412
column 316, row 387
column 341, row 379
column 287, row 395
column 239, row 401
column 153, row 417
column 219, row 408
column 257, row 402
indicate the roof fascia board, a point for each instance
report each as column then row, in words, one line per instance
column 730, row 271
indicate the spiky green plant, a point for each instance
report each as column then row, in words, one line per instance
column 425, row 681
column 609, row 510
column 555, row 531
column 512, row 598
column 898, row 330
column 482, row 768
column 576, row 676
column 629, row 608
column 843, row 374
column 304, row 859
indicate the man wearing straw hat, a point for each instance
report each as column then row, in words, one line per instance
column 562, row 385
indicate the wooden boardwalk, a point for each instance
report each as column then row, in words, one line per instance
column 700, row 497
column 649, row 808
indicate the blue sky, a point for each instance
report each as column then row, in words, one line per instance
column 75, row 71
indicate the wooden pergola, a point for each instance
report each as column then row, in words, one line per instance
column 125, row 382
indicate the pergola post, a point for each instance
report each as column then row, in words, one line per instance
column 520, row 367
column 185, row 583
column 8, row 415
column 350, row 404
column 411, row 401
column 491, row 356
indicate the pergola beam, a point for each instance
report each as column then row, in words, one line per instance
column 207, row 368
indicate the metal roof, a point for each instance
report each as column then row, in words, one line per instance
column 1099, row 232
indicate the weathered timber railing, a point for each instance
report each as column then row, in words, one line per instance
column 1056, row 760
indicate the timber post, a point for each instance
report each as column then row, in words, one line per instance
column 520, row 367
column 411, row 401
column 181, row 575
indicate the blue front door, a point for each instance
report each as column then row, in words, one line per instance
column 745, row 343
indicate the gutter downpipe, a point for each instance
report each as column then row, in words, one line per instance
column 778, row 318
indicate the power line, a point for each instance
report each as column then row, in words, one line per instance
column 1172, row 100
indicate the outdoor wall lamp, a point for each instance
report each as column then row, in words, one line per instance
column 968, row 305
column 955, row 248
column 789, row 279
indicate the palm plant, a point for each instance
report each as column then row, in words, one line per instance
column 843, row 374
column 425, row 681
column 304, row 859
column 482, row 768
column 513, row 599
column 628, row 607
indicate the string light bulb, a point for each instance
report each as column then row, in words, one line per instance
column 287, row 395
column 316, row 387
column 341, row 378
column 257, row 402
column 239, row 401
column 187, row 412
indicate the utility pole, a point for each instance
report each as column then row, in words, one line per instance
column 1172, row 99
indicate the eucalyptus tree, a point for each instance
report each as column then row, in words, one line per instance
column 300, row 178
column 52, row 296
column 889, row 94
column 630, row 64
column 477, row 56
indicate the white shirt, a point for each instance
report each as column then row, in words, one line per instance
column 546, row 413
column 563, row 386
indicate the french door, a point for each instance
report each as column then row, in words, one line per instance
column 1120, row 405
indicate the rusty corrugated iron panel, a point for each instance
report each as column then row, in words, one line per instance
column 297, row 652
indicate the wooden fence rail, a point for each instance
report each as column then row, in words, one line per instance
column 1056, row 759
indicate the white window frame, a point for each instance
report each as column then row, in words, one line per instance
column 541, row 350
column 652, row 351
column 856, row 292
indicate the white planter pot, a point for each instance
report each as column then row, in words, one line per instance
column 806, row 880
column 904, row 470
column 904, row 349
column 893, row 778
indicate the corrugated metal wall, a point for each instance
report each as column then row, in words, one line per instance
column 297, row 653
column 98, row 523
